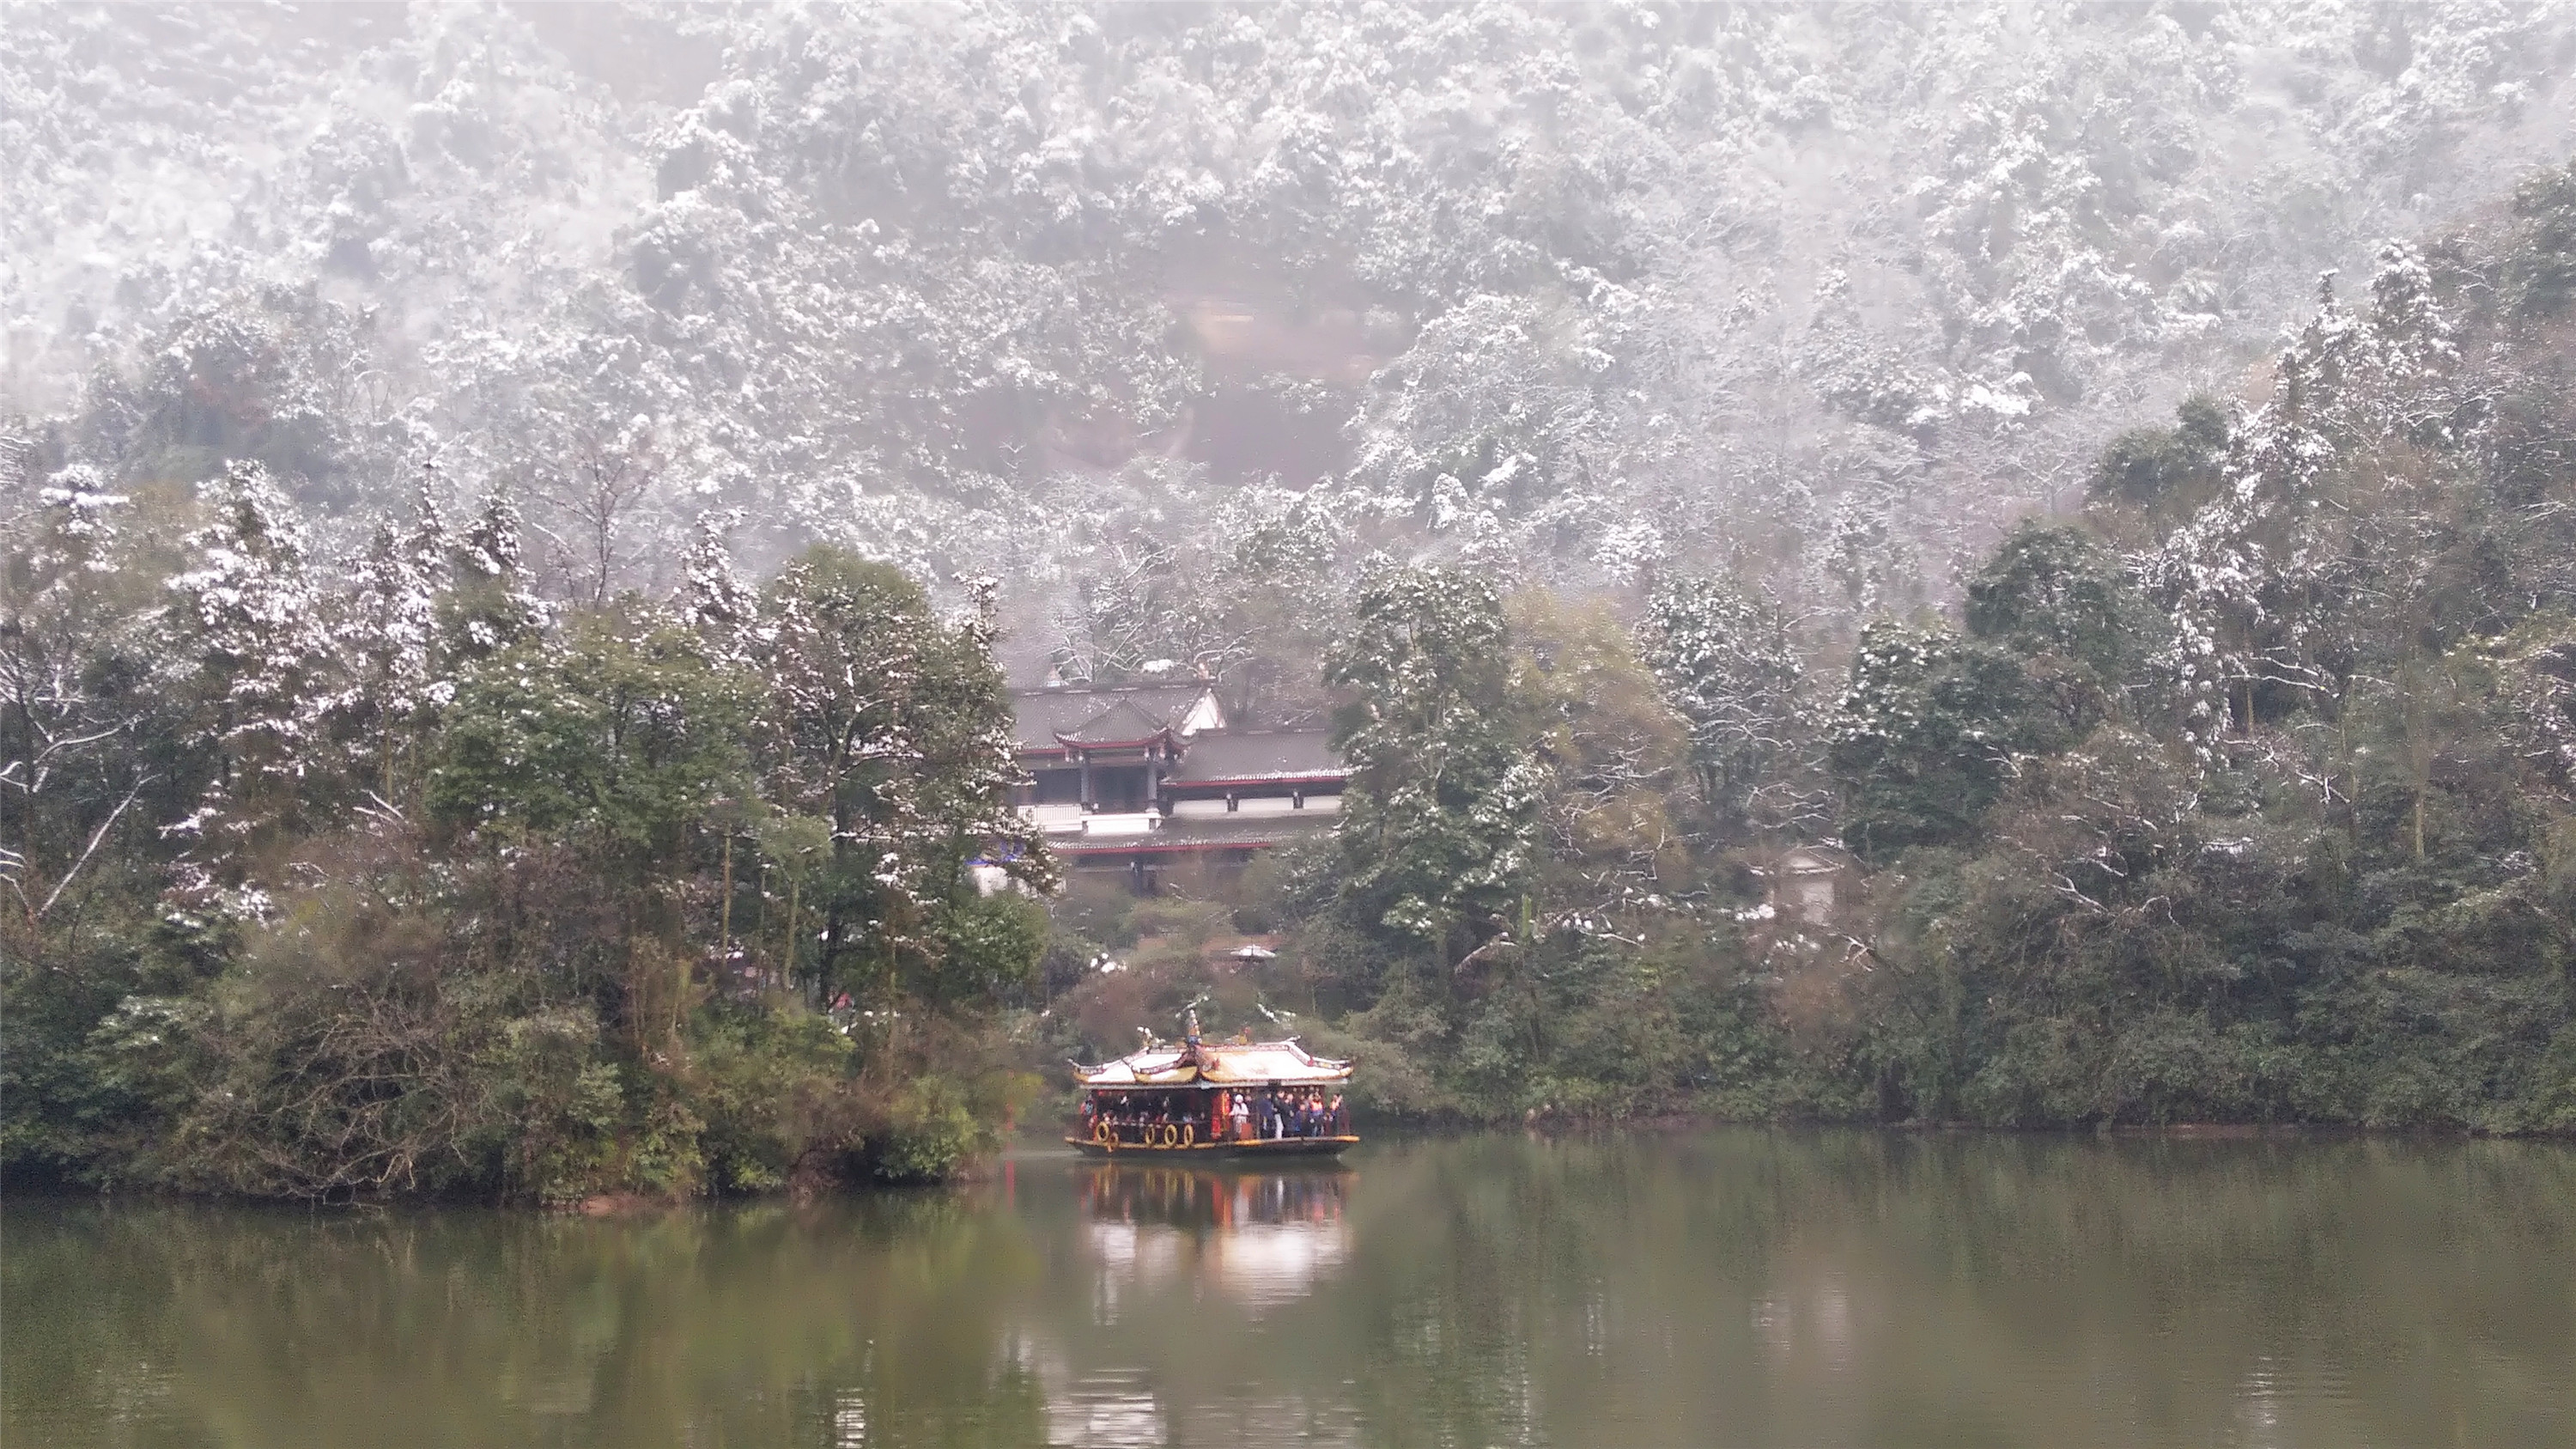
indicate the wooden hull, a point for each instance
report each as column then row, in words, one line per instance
column 1218, row 1151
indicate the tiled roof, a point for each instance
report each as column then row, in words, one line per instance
column 1121, row 723
column 1215, row 757
column 1218, row 1062
column 1161, row 1066
column 1039, row 715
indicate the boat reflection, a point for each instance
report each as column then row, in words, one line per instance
column 1261, row 1239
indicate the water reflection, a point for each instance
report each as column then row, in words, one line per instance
column 1105, row 1409
column 1732, row 1288
column 1262, row 1239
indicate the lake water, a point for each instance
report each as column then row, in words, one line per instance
column 1722, row 1288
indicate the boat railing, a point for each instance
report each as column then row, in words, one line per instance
column 1109, row 1131
column 1147, row 1134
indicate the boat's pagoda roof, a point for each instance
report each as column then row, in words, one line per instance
column 1216, row 1064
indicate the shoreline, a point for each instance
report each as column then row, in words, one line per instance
column 1039, row 1147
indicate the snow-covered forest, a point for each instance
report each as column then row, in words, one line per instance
column 516, row 515
column 1825, row 293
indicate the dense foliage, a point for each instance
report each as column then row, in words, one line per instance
column 2245, row 797
column 402, row 880
column 402, row 789
column 1086, row 296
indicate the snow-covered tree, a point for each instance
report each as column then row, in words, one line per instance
column 489, row 607
column 1441, row 832
column 393, row 672
column 924, row 291
column 714, row 599
column 77, row 688
column 888, row 724
column 2272, row 583
column 1926, row 735
column 252, row 641
column 1731, row 667
column 2059, row 600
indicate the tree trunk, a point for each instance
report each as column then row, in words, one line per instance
column 787, row 942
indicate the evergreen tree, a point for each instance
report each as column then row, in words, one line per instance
column 1926, row 736
column 891, row 726
column 82, row 685
column 1440, row 834
column 394, row 669
column 619, row 733
column 1730, row 666
column 251, row 629
column 2054, row 596
column 2165, row 472
column 713, row 597
column 488, row 607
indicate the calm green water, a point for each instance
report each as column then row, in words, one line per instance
column 1728, row 1288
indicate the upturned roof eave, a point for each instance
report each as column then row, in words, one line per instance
column 1161, row 736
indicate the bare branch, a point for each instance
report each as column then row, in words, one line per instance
column 92, row 849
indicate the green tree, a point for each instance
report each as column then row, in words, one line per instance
column 1441, row 831
column 1926, row 736
column 2057, row 598
column 613, row 740
column 487, row 607
column 2542, row 270
column 892, row 725
column 2165, row 472
column 619, row 734
column 1615, row 753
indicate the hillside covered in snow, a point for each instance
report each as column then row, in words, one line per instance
column 1074, row 295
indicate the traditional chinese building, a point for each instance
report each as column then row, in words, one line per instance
column 1802, row 882
column 1139, row 779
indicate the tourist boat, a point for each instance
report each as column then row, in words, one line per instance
column 1180, row 1101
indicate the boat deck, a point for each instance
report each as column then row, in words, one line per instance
column 1211, row 1151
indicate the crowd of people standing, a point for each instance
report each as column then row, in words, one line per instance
column 1270, row 1114
column 1283, row 1113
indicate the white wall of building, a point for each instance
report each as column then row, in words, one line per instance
column 1257, row 807
column 1054, row 819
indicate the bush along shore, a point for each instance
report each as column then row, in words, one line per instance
column 358, row 869
column 406, row 882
